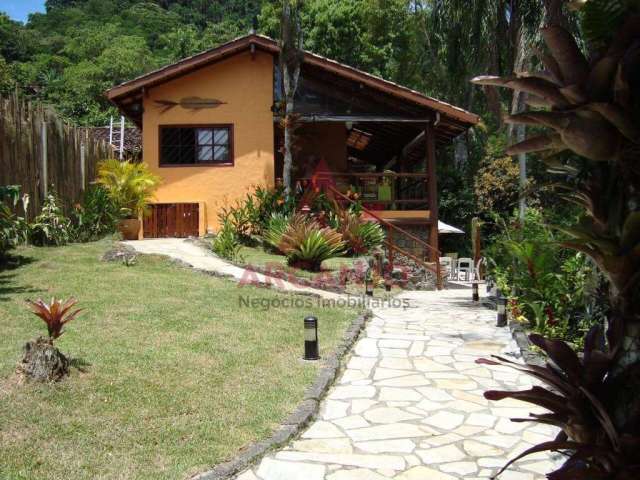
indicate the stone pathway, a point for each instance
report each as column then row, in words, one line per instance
column 409, row 405
column 188, row 252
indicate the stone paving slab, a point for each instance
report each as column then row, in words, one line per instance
column 410, row 406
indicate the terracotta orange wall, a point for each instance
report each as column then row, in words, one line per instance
column 246, row 85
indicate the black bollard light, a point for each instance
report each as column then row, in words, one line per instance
column 474, row 292
column 311, row 351
column 388, row 283
column 502, row 311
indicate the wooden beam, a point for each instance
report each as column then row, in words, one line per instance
column 355, row 119
column 432, row 190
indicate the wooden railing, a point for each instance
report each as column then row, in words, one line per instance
column 389, row 190
column 392, row 230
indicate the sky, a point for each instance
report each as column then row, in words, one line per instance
column 20, row 9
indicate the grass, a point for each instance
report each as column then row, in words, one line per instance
column 179, row 375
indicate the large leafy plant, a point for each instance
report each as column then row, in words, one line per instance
column 13, row 229
column 131, row 186
column 360, row 236
column 95, row 217
column 307, row 244
column 576, row 401
column 55, row 314
column 589, row 106
column 226, row 243
column 51, row 226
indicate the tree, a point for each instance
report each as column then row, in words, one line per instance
column 290, row 63
column 589, row 105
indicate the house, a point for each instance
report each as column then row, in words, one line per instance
column 211, row 129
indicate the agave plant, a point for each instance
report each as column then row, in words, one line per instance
column 276, row 226
column 359, row 236
column 306, row 244
column 55, row 314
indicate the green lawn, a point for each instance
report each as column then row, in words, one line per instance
column 180, row 375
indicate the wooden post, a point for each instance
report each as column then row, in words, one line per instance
column 83, row 174
column 45, row 170
column 432, row 191
column 390, row 240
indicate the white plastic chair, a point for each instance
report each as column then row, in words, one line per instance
column 476, row 269
column 446, row 265
column 465, row 266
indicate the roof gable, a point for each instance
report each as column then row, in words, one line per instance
column 126, row 94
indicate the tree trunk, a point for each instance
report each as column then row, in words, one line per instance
column 42, row 362
column 290, row 61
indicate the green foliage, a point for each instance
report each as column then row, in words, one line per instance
column 496, row 183
column 130, row 186
column 554, row 289
column 71, row 54
column 277, row 226
column 51, row 226
column 306, row 244
column 95, row 217
column 601, row 18
column 360, row 237
column 12, row 227
column 251, row 217
column 226, row 243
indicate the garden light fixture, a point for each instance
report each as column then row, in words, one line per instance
column 368, row 287
column 502, row 311
column 311, row 351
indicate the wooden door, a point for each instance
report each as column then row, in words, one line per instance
column 172, row 220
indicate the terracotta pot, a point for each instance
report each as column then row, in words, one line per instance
column 129, row 228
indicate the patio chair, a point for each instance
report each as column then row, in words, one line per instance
column 477, row 269
column 446, row 267
column 465, row 268
column 454, row 263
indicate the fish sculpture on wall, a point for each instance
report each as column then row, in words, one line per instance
column 190, row 103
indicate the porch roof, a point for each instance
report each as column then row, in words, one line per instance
column 449, row 120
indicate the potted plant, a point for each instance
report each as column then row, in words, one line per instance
column 131, row 187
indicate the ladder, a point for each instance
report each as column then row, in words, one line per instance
column 116, row 137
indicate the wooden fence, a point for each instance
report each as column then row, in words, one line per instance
column 41, row 153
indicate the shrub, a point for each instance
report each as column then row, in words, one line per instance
column 251, row 216
column 360, row 236
column 306, row 244
column 95, row 217
column 277, row 225
column 13, row 229
column 552, row 287
column 51, row 226
column 55, row 314
column 226, row 243
column 130, row 186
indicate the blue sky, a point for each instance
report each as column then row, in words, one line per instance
column 20, row 9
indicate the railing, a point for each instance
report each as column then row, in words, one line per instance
column 391, row 246
column 380, row 191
